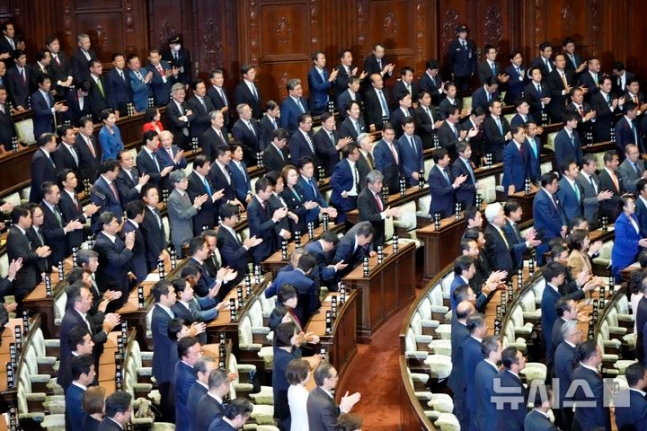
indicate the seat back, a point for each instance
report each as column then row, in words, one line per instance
column 255, row 313
column 528, row 301
column 245, row 330
column 538, row 288
column 408, row 218
column 424, row 308
column 416, row 324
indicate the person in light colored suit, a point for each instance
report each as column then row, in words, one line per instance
column 578, row 259
column 181, row 210
column 632, row 169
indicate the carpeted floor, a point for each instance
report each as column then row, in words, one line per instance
column 375, row 374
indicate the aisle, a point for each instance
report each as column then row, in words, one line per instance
column 375, row 374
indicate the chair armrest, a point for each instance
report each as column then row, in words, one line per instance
column 442, row 309
column 251, row 346
column 260, row 330
column 417, row 354
column 430, row 323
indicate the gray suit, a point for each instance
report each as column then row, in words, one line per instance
column 322, row 411
column 180, row 216
column 630, row 176
column 591, row 203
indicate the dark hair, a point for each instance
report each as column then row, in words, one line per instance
column 462, row 264
column 461, row 293
column 576, row 238
column 307, row 262
column 239, row 407
column 199, row 161
column 552, row 270
column 634, row 373
column 280, row 134
column 277, row 316
column 195, row 244
column 81, row 364
column 548, row 178
column 134, row 208
column 286, row 292
column 228, row 211
column 161, row 288
column 184, row 345
column 175, row 326
column 511, row 206
column 562, row 306
column 119, row 402
column 509, row 357
column 106, row 218
column 45, row 139
column 348, row 422
column 586, row 350
column 76, row 336
column 284, row 333
column 439, row 154
column 322, row 372
column 489, row 344
column 108, row 166
column 75, row 274
column 475, row 321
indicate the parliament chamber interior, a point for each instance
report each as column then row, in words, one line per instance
column 323, row 215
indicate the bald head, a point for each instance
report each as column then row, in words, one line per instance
column 464, row 310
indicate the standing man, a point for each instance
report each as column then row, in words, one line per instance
column 548, row 214
column 371, row 206
column 218, row 95
column 442, row 185
column 322, row 411
column 247, row 92
column 293, row 106
column 115, row 255
column 179, row 58
column 319, row 83
column 462, row 58
column 42, row 166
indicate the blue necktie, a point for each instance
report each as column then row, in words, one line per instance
column 385, row 108
column 469, row 168
column 207, row 186
column 446, row 176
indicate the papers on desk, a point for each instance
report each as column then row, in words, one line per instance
column 153, row 277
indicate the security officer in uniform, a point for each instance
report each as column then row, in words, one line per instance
column 462, row 58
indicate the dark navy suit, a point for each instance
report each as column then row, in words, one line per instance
column 119, row 90
column 310, row 191
column 635, row 414
column 563, row 370
column 299, row 148
column 184, row 379
column 114, row 261
column 548, row 317
column 55, row 236
column 626, row 133
column 570, row 202
column 565, row 148
column 466, row 192
column 233, row 254
column 340, row 181
column 325, row 146
column 586, row 416
column 42, row 169
column 290, row 112
column 161, row 90
column 625, row 247
column 548, row 218
column 411, row 157
column 125, row 183
column 195, row 395
column 209, row 409
column 347, row 252
column 103, row 196
column 536, row 421
column 534, row 159
column 153, row 230
column 472, row 356
column 442, row 192
column 457, row 379
column 306, row 292
column 138, row 263
column 74, row 413
column 512, row 414
column 43, row 117
column 326, row 275
column 164, row 158
column 319, row 87
column 515, row 84
column 641, row 214
column 205, row 216
column 241, row 180
column 533, row 97
column 261, row 225
column 515, row 166
column 498, row 252
column 385, row 162
column 165, row 355
column 481, row 98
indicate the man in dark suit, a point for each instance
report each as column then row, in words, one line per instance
column 307, row 289
column 442, row 185
column 19, row 80
column 80, row 59
column 554, row 274
column 499, row 251
column 510, row 416
column 574, row 63
column 488, row 92
column 462, row 58
column 567, row 142
column 129, row 182
column 104, row 192
column 202, row 369
column 307, row 184
column 235, row 253
column 118, row 82
column 180, row 59
column 497, row 131
column 472, row 357
column 490, row 67
column 275, row 157
column 610, row 180
column 165, row 355
column 533, row 146
column 148, row 164
column 345, row 72
column 153, row 228
column 319, row 84
column 456, row 381
column 135, row 216
column 7, row 126
column 372, row 208
column 350, row 94
column 410, row 147
column 42, row 103
column 323, row 251
column 354, row 245
column 472, row 131
column 537, row 94
column 9, row 42
column 201, row 106
column 345, row 182
column 218, row 94
column 199, row 185
column 565, row 361
column 376, row 63
column 88, row 151
column 386, row 154
column 268, row 124
column 328, row 144
column 403, row 111
column 376, row 104
column 211, row 406
column 426, row 119
column 569, row 193
column 631, row 405
column 162, row 77
column 261, row 221
column 118, row 412
column 515, row 162
column 80, row 343
column 620, row 77
column 583, row 113
column 19, row 247
column 215, row 136
column 247, row 92
column 605, row 104
column 302, row 143
column 67, row 155
column 405, row 84
column 60, row 69
column 71, row 208
column 591, row 77
column 221, row 178
column 99, row 91
column 42, row 166
column 168, row 154
column 353, row 125
column 83, row 373
column 560, row 83
column 538, row 419
column 188, row 352
column 321, row 408
column 641, row 206
column 240, row 175
column 626, row 128
column 54, row 229
column 246, row 132
column 179, row 116
column 590, row 410
column 547, row 213
column 543, row 60
column 517, row 76
column 115, row 255
column 293, row 106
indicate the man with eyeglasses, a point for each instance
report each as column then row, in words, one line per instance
column 322, row 411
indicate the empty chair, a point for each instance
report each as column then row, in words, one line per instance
column 440, row 366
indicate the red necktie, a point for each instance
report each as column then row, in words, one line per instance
column 379, row 202
column 89, row 142
column 581, row 111
column 114, row 191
